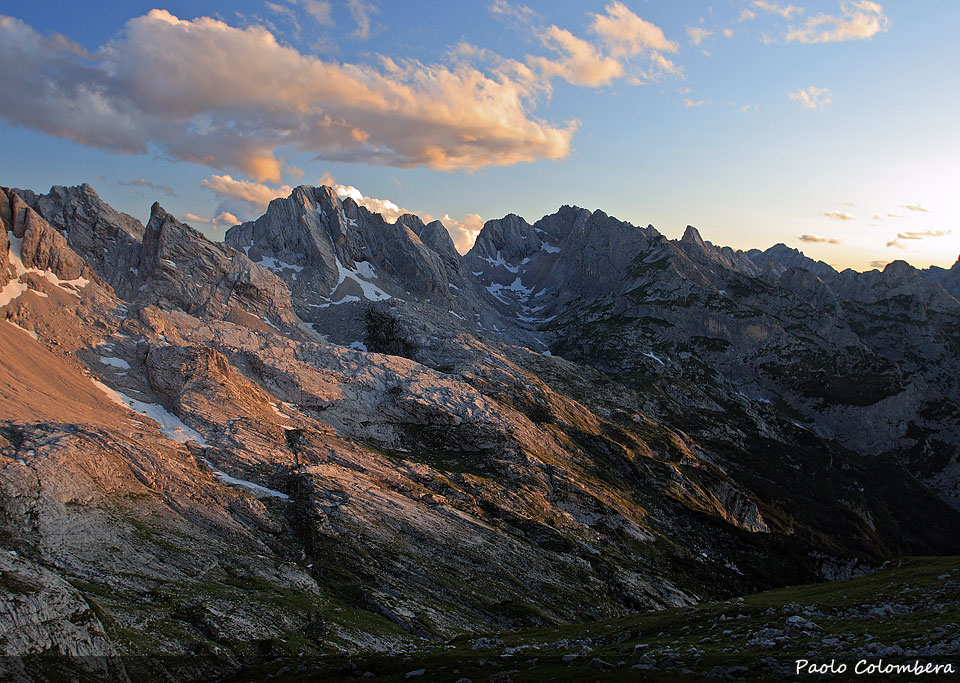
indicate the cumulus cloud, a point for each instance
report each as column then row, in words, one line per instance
column 622, row 36
column 256, row 195
column 687, row 102
column 812, row 98
column 582, row 63
column 860, row 20
column 698, row 35
column 819, row 240
column 223, row 219
column 839, row 215
column 915, row 207
column 464, row 230
column 785, row 11
column 140, row 182
column 897, row 241
column 229, row 98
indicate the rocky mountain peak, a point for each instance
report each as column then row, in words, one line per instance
column 692, row 236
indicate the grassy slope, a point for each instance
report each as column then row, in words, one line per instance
column 689, row 643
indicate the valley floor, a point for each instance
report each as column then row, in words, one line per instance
column 906, row 613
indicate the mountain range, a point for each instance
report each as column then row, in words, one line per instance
column 332, row 433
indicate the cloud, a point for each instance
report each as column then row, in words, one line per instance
column 727, row 32
column 840, row 216
column 622, row 36
column 747, row 108
column 140, row 182
column 747, row 15
column 582, row 65
column 463, row 231
column 894, row 215
column 896, row 242
column 698, row 35
column 626, row 35
column 319, row 10
column 915, row 207
column 229, row 98
column 878, row 264
column 361, row 10
column 687, row 102
column 785, row 11
column 812, row 98
column 257, row 195
column 819, row 240
column 860, row 20
column 520, row 14
column 224, row 219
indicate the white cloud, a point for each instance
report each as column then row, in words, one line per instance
column 818, row 239
column 361, row 10
column 858, row 20
column 840, row 216
column 812, row 98
column 687, row 102
column 915, row 207
column 319, row 10
column 627, row 34
column 785, row 11
column 229, row 98
column 698, row 35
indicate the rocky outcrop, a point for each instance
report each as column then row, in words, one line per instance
column 43, row 616
column 108, row 240
column 40, row 246
column 181, row 267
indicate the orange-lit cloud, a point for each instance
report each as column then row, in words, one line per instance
column 229, row 98
column 223, row 219
column 916, row 236
column 859, row 20
column 819, row 240
column 840, row 216
column 581, row 63
column 257, row 195
column 915, row 207
column 698, row 35
column 785, row 11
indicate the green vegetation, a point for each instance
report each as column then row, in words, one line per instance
column 853, row 619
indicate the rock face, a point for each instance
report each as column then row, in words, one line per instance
column 181, row 267
column 184, row 459
column 106, row 239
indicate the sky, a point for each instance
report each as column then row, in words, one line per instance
column 828, row 125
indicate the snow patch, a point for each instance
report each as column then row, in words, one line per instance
column 549, row 248
column 357, row 346
column 115, row 362
column 649, row 354
column 171, row 425
column 500, row 262
column 256, row 488
column 15, row 288
column 272, row 263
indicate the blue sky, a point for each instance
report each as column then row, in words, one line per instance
column 830, row 126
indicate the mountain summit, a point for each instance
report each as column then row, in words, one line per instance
column 334, row 433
